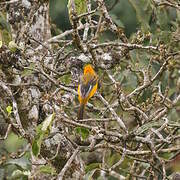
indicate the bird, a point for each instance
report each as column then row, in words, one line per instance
column 87, row 88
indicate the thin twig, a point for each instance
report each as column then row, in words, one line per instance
column 67, row 165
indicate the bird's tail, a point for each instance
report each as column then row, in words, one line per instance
column 81, row 111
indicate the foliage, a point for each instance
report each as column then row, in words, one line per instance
column 9, row 110
column 41, row 132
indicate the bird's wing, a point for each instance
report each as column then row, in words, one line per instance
column 86, row 85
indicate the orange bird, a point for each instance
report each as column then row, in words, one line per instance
column 87, row 88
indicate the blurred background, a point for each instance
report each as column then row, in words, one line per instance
column 123, row 14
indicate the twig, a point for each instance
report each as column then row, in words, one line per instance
column 128, row 45
column 7, row 132
column 15, row 108
column 166, row 3
column 9, row 2
column 120, row 161
column 119, row 120
column 67, row 165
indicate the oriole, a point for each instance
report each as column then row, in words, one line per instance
column 87, row 88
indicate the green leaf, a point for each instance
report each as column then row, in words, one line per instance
column 18, row 174
column 41, row 132
column 83, row 132
column 23, row 163
column 35, row 148
column 9, row 110
column 47, row 122
column 13, row 47
column 28, row 72
column 89, row 175
column 47, row 169
column 80, row 6
column 92, row 166
column 65, row 79
column 36, row 145
column 76, row 6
